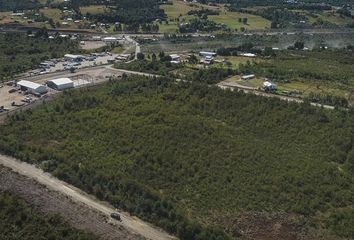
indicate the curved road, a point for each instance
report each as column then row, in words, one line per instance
column 132, row 224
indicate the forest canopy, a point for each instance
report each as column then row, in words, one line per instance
column 183, row 154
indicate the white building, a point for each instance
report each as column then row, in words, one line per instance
column 252, row 55
column 60, row 84
column 268, row 86
column 207, row 54
column 175, row 58
column 247, row 77
column 111, row 39
column 32, row 87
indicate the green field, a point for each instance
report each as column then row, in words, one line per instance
column 231, row 20
column 180, row 10
column 327, row 16
column 169, row 152
column 94, row 9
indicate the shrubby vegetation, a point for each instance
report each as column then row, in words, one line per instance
column 20, row 52
column 132, row 13
column 331, row 66
column 20, row 221
column 159, row 65
column 15, row 5
column 180, row 154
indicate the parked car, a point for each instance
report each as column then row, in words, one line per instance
column 116, row 216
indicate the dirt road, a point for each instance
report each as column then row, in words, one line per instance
column 130, row 224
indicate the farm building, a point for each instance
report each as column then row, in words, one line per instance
column 207, row 54
column 175, row 58
column 32, row 87
column 251, row 55
column 248, row 77
column 111, row 39
column 60, row 84
column 268, row 86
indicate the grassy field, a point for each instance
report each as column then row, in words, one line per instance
column 231, row 20
column 158, row 149
column 94, row 9
column 180, row 10
column 327, row 16
column 53, row 13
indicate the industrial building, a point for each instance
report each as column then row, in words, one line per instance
column 248, row 77
column 32, row 87
column 60, row 84
column 207, row 54
column 175, row 58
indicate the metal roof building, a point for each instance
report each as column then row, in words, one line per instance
column 60, row 83
column 32, row 87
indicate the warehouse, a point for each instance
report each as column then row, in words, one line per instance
column 60, row 84
column 32, row 87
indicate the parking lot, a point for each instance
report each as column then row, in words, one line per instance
column 9, row 101
column 57, row 65
column 11, row 98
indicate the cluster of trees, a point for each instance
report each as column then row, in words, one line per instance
column 20, row 52
column 19, row 221
column 178, row 154
column 312, row 4
column 234, row 51
column 160, row 65
column 134, row 14
column 15, row 5
column 203, row 12
column 332, row 100
column 281, row 17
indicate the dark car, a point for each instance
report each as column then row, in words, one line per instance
column 116, row 216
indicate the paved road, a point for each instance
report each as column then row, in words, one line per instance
column 132, row 224
column 255, row 91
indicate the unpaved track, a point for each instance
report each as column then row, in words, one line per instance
column 129, row 224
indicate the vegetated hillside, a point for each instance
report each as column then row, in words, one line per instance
column 180, row 155
column 19, row 221
column 20, row 53
column 15, row 5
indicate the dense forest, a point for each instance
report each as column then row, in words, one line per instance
column 20, row 52
column 13, row 5
column 19, row 221
column 181, row 154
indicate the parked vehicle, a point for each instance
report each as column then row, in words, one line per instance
column 116, row 216
column 12, row 90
